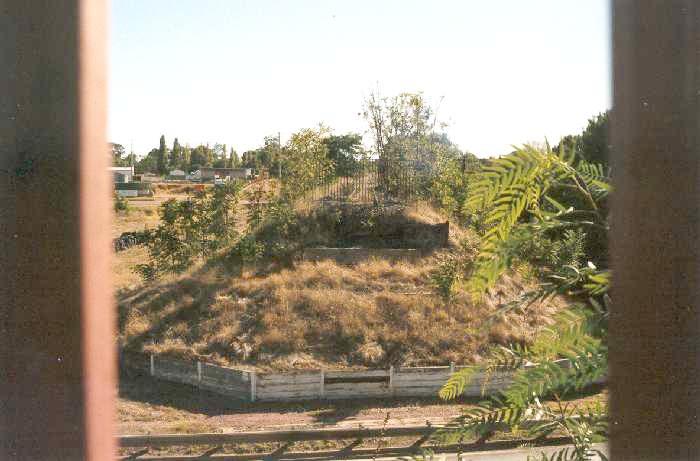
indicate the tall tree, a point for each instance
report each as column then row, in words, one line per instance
column 198, row 157
column 400, row 126
column 163, row 156
column 593, row 144
column 176, row 156
column 209, row 155
column 233, row 160
column 186, row 158
column 219, row 156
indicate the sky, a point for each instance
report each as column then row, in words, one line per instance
column 498, row 72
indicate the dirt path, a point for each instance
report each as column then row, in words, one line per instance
column 150, row 406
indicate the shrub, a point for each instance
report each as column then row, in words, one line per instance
column 452, row 267
column 551, row 254
column 191, row 229
column 120, row 204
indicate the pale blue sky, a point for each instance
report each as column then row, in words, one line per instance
column 233, row 71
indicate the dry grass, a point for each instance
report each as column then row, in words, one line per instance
column 178, row 188
column 312, row 315
column 136, row 219
column 323, row 314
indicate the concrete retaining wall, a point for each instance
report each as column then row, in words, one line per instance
column 319, row 384
column 316, row 384
column 221, row 380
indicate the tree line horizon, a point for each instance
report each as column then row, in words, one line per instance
column 405, row 116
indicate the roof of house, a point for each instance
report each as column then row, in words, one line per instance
column 210, row 168
column 122, row 169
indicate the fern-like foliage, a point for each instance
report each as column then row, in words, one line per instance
column 516, row 193
column 457, row 382
column 516, row 187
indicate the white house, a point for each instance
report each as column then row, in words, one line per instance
column 176, row 174
column 122, row 173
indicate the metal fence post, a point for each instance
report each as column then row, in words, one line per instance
column 153, row 365
column 199, row 371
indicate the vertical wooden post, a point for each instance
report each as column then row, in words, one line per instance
column 57, row 342
column 322, row 384
column 391, row 379
column 655, row 241
column 199, row 371
column 153, row 365
column 253, row 386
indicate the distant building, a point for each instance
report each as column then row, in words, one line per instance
column 134, row 189
column 210, row 174
column 150, row 177
column 177, row 174
column 122, row 173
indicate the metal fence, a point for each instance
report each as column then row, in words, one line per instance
column 371, row 181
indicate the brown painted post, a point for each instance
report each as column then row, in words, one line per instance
column 57, row 349
column 655, row 320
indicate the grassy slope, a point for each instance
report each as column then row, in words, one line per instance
column 313, row 315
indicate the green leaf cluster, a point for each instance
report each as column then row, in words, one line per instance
column 515, row 192
column 191, row 229
column 550, row 199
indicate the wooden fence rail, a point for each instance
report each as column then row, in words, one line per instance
column 287, row 438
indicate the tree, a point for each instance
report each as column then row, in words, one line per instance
column 149, row 163
column 187, row 159
column 233, row 160
column 163, row 157
column 130, row 160
column 191, row 229
column 400, row 125
column 449, row 186
column 345, row 151
column 405, row 138
column 176, row 157
column 306, row 161
column 265, row 157
column 593, row 143
column 201, row 156
column 118, row 152
column 209, row 155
